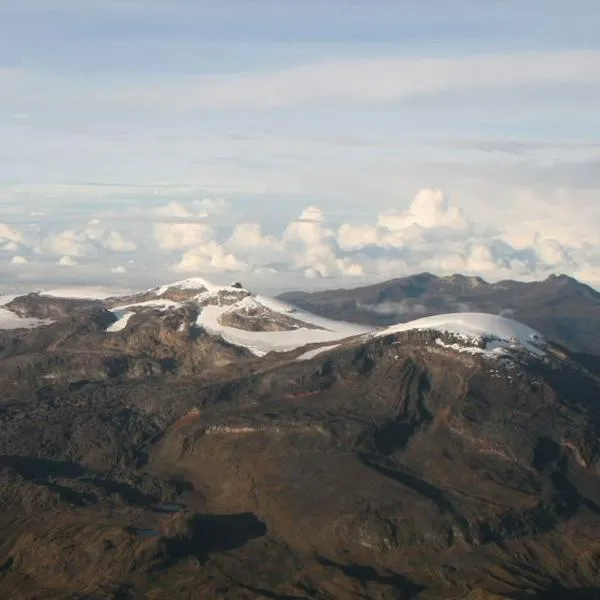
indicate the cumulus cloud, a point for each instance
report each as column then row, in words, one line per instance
column 434, row 234
column 191, row 209
column 187, row 225
column 247, row 236
column 429, row 209
column 174, row 236
column 430, row 233
column 9, row 234
column 258, row 249
column 306, row 245
column 310, row 244
column 111, row 240
column 10, row 238
column 352, row 237
column 67, row 243
column 312, row 247
column 209, row 207
column 210, row 256
column 480, row 258
column 173, row 209
column 92, row 240
column 551, row 252
column 67, row 261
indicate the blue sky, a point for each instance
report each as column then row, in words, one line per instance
column 112, row 108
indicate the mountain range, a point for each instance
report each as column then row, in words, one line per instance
column 438, row 439
column 560, row 307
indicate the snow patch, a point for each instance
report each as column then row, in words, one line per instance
column 10, row 320
column 316, row 351
column 263, row 342
column 123, row 317
column 86, row 293
column 196, row 283
column 158, row 303
column 479, row 333
column 492, row 349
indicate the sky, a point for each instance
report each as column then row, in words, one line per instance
column 299, row 145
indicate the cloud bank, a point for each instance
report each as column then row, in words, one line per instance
column 433, row 233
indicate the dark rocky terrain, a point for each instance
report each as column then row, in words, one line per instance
column 160, row 461
column 560, row 307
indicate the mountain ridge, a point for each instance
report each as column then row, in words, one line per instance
column 560, row 307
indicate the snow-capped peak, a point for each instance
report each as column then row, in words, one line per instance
column 477, row 332
column 255, row 322
column 194, row 283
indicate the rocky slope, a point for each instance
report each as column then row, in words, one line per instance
column 266, row 453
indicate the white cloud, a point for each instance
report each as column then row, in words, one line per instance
column 402, row 307
column 249, row 236
column 19, row 260
column 111, row 240
column 210, row 256
column 209, row 207
column 306, row 245
column 430, row 209
column 431, row 233
column 9, row 246
column 68, row 243
column 480, row 259
column 360, row 80
column 353, row 237
column 8, row 234
column 173, row 209
column 67, row 261
column 312, row 246
column 174, row 236
column 187, row 224
column 114, row 241
column 258, row 249
column 551, row 253
column 94, row 239
column 10, row 238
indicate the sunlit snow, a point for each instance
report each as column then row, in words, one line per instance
column 10, row 320
column 498, row 332
column 263, row 342
column 209, row 300
column 476, row 333
column 316, row 352
column 86, row 292
column 121, row 322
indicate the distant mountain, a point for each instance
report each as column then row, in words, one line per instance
column 200, row 441
column 560, row 307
